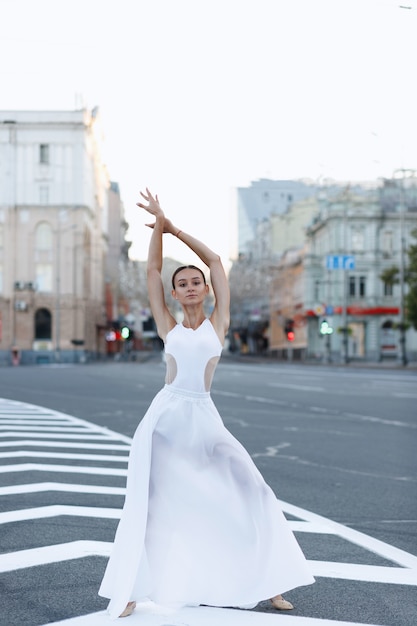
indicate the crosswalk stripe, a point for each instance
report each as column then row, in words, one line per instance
column 60, row 444
column 63, row 455
column 64, row 487
column 43, row 555
column 32, row 426
column 69, row 469
column 55, row 510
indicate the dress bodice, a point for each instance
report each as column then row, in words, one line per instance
column 192, row 356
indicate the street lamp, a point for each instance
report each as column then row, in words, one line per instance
column 405, row 173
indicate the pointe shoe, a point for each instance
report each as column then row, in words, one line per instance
column 280, row 604
column 130, row 607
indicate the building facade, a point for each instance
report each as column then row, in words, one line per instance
column 297, row 258
column 351, row 242
column 264, row 198
column 287, row 310
column 54, row 224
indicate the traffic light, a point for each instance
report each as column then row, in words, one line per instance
column 325, row 328
column 289, row 330
column 126, row 332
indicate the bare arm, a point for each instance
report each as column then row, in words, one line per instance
column 163, row 318
column 220, row 318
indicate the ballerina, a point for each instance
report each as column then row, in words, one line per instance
column 199, row 524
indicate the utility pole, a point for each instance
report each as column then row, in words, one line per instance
column 405, row 173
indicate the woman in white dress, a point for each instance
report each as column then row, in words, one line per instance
column 199, row 524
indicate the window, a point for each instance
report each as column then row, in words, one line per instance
column 43, row 237
column 357, row 286
column 387, row 242
column 43, row 264
column 44, row 153
column 362, row 286
column 44, row 277
column 43, row 194
column 357, row 239
column 388, row 289
column 316, row 290
column 43, row 324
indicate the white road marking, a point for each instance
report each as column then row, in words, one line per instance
column 64, row 487
column 298, row 387
column 63, row 455
column 69, row 469
column 272, row 450
column 148, row 614
column 60, row 444
column 56, row 510
column 391, row 553
column 403, row 573
column 55, row 435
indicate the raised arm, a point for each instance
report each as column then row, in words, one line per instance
column 220, row 318
column 163, row 318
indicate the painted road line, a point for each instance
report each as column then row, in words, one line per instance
column 64, row 487
column 387, row 551
column 90, row 437
column 63, row 455
column 69, row 469
column 44, row 555
column 364, row 573
column 148, row 614
column 64, row 444
column 56, row 510
column 60, row 436
column 297, row 387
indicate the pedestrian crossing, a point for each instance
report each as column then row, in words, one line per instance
column 62, row 486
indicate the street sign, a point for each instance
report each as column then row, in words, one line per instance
column 340, row 262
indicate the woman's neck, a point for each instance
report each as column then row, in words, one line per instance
column 193, row 318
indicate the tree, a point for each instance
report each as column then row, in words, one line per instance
column 411, row 297
column 390, row 276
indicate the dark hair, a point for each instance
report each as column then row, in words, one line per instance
column 186, row 267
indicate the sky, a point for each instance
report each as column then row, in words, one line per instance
column 200, row 97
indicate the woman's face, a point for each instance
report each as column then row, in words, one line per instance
column 189, row 287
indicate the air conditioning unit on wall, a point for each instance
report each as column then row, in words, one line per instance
column 20, row 305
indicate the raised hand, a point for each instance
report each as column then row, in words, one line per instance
column 153, row 207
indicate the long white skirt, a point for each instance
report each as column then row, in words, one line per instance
column 199, row 523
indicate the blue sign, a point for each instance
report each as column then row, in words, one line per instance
column 340, row 262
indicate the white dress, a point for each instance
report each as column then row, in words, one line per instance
column 199, row 524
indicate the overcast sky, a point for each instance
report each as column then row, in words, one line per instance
column 199, row 97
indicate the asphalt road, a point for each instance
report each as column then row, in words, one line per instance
column 338, row 442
